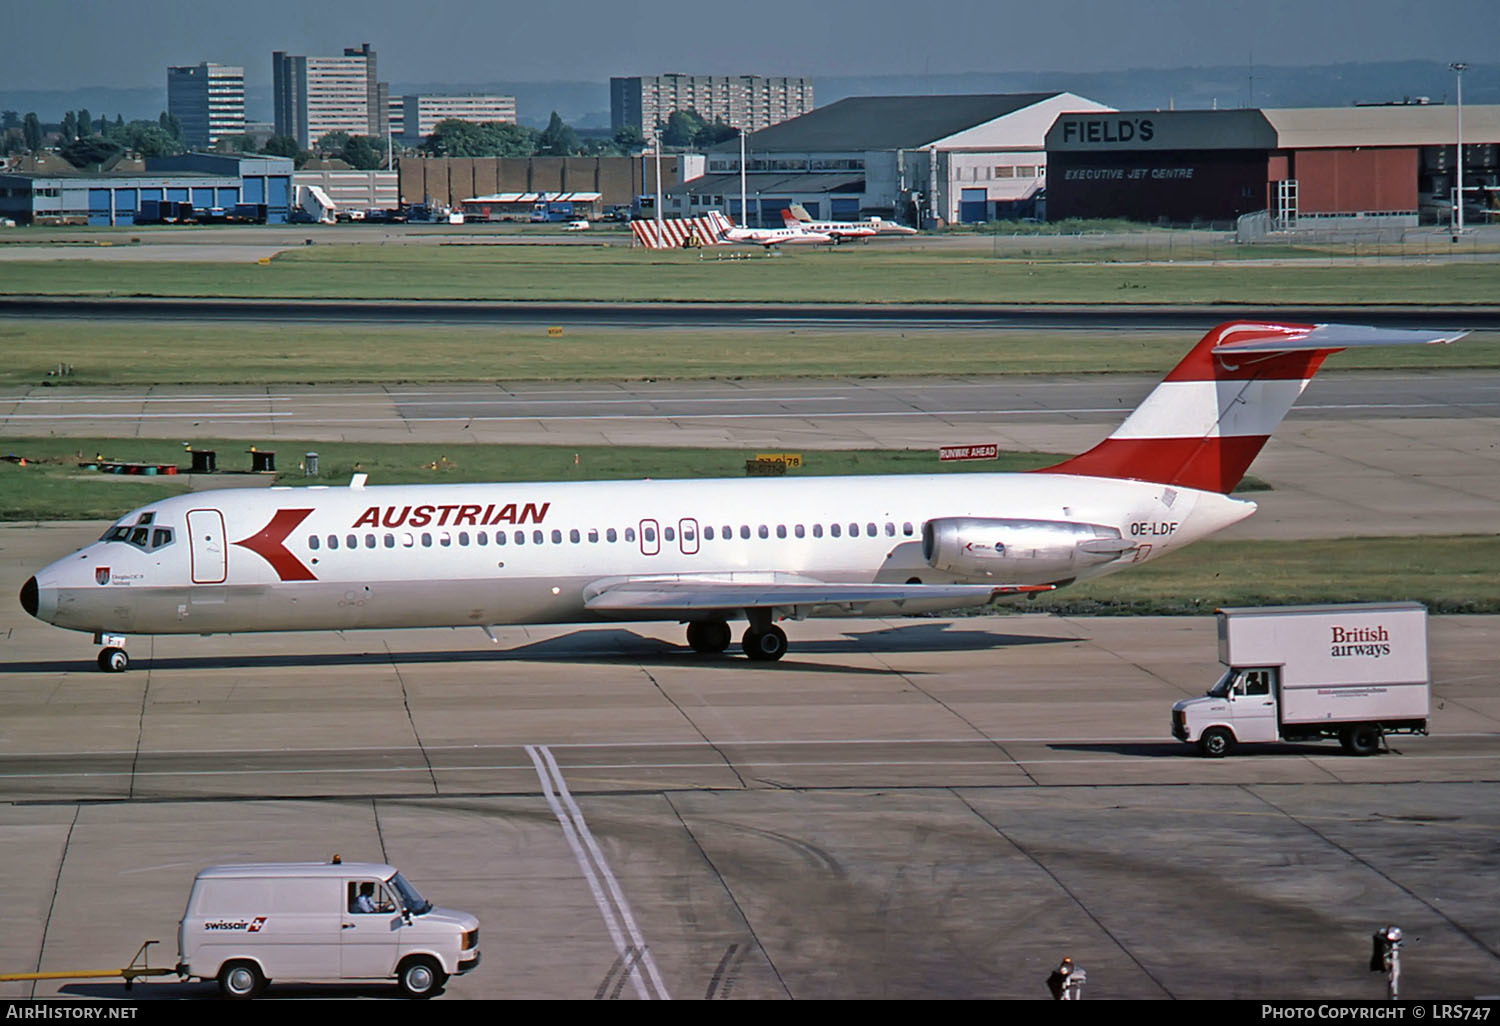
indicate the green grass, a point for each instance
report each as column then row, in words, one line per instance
column 1448, row 574
column 848, row 274
column 144, row 353
column 53, row 487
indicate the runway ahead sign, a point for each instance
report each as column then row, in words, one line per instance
column 968, row 452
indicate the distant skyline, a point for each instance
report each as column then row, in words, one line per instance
column 67, row 44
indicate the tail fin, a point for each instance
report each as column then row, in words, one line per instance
column 799, row 212
column 789, row 219
column 1208, row 419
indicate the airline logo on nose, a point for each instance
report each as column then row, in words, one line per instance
column 267, row 544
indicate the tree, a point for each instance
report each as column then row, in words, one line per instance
column 150, row 140
column 90, row 152
column 281, row 146
column 171, row 124
column 453, row 137
column 558, row 139
column 31, row 128
column 235, row 144
column 360, row 152
column 710, row 135
column 630, row 139
column 85, row 123
column 331, row 143
column 9, row 119
column 69, row 127
column 681, row 129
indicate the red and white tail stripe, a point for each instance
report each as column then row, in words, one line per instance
column 1208, row 419
column 678, row 232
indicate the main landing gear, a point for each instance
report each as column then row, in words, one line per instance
column 762, row 642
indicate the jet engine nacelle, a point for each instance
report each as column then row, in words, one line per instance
column 1022, row 551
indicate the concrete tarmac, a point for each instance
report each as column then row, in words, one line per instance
column 919, row 808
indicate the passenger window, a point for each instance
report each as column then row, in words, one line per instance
column 556, row 537
column 668, row 534
column 906, row 529
column 594, row 535
column 609, row 534
column 390, row 540
column 574, row 536
column 763, row 531
column 445, row 539
column 407, row 541
column 463, row 537
column 369, row 541
column 870, row 529
column 745, row 531
column 708, row 534
column 835, row 530
column 312, row 542
column 817, row 530
column 890, row 529
column 426, row 540
column 482, row 537
column 520, row 537
column 537, row 537
column 728, row 533
column 333, row 541
column 781, row 530
column 351, row 542
column 499, row 537
column 630, row 534
column 801, row 532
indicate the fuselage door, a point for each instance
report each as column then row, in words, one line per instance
column 687, row 533
column 650, row 538
column 207, row 548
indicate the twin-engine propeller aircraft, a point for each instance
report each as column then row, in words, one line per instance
column 700, row 552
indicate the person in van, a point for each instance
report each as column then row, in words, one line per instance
column 364, row 900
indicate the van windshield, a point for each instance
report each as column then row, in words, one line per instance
column 1221, row 689
column 414, row 902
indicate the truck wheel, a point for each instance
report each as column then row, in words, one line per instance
column 1361, row 739
column 420, row 977
column 241, row 980
column 1215, row 742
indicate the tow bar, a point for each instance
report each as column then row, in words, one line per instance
column 138, row 967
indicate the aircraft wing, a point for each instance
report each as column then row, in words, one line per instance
column 1334, row 336
column 619, row 596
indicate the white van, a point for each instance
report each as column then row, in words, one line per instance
column 247, row 925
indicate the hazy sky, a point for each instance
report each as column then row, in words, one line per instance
column 59, row 44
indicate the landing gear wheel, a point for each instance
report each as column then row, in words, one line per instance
column 1215, row 743
column 420, row 977
column 241, row 980
column 114, row 660
column 709, row 637
column 765, row 646
column 1361, row 739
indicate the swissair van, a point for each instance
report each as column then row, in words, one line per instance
column 1300, row 673
column 247, row 925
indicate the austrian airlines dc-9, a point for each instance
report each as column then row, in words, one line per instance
column 700, row 552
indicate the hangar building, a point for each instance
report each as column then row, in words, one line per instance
column 1388, row 164
column 953, row 158
column 203, row 179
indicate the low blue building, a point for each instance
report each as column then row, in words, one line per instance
column 206, row 180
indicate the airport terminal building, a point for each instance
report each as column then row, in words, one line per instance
column 1388, row 164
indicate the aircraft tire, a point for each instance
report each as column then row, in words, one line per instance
column 709, row 637
column 114, row 660
column 764, row 646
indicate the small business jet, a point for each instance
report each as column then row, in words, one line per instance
column 792, row 235
column 843, row 231
column 705, row 552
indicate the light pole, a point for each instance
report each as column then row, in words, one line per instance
column 1459, row 67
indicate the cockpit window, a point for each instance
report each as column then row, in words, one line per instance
column 161, row 537
column 116, row 534
column 141, row 535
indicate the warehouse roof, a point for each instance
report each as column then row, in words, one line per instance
column 1392, row 125
column 772, row 184
column 884, row 122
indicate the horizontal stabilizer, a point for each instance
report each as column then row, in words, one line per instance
column 1335, row 336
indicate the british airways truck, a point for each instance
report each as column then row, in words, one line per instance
column 1304, row 673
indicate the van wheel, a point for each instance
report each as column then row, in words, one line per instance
column 1216, row 742
column 241, row 980
column 420, row 977
column 1361, row 739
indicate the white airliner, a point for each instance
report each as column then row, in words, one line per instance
column 700, row 552
column 842, row 231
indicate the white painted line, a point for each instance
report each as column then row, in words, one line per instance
column 574, row 827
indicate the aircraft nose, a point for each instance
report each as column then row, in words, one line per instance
column 30, row 595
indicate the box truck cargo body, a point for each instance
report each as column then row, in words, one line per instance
column 246, row 925
column 1303, row 673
